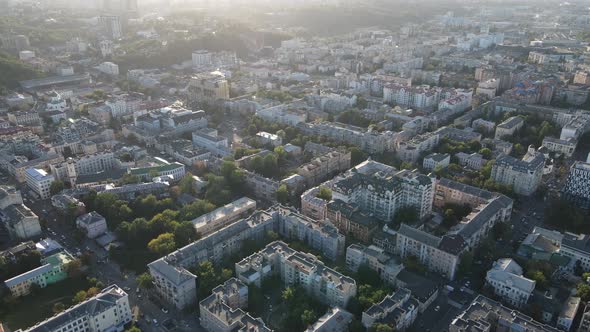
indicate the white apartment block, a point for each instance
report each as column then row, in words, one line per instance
column 388, row 267
column 507, row 280
column 176, row 285
column 223, row 216
column 382, row 194
column 436, row 160
column 411, row 150
column 282, row 114
column 399, row 310
column 223, row 310
column 509, row 127
column 297, row 268
column 524, row 176
column 568, row 312
column 39, row 181
column 560, row 146
column 92, row 224
column 107, row 311
column 335, row 320
column 109, row 68
column 20, row 222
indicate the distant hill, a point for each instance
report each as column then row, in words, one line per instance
column 13, row 70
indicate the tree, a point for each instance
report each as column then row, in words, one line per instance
column 325, row 193
column 58, row 307
column 282, row 194
column 145, row 280
column 187, row 184
column 79, row 297
column 540, row 279
column 379, row 327
column 207, row 278
column 163, row 244
column 583, row 290
column 92, row 291
column 133, row 329
column 308, row 317
column 466, row 263
column 288, row 294
column 73, row 268
column 56, row 187
column 406, row 215
column 357, row 156
column 486, row 153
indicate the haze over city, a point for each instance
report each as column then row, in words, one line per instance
column 294, row 165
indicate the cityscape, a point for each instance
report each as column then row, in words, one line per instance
column 294, row 165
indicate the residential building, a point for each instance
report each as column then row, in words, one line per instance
column 335, row 320
column 523, row 176
column 507, row 280
column 39, row 181
column 223, row 310
column 585, row 320
column 268, row 138
column 223, row 216
column 436, row 160
column 109, row 68
column 411, row 150
column 208, row 88
column 473, row 160
column 297, row 268
column 350, row 220
column 398, row 310
column 208, row 139
column 109, row 310
column 321, row 236
column 175, row 169
column 283, row 115
column 387, row 266
column 577, row 248
column 486, row 126
column 324, row 166
column 484, row 314
column 577, row 185
column 509, row 127
column 20, row 222
column 52, row 270
column 92, row 224
column 369, row 141
column 176, row 285
column 560, row 146
column 568, row 313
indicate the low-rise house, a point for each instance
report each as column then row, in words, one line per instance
column 436, row 160
column 52, row 270
column 92, row 224
column 506, row 279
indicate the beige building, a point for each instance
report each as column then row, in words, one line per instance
column 208, row 88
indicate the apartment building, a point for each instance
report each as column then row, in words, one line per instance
column 223, row 310
column 39, row 181
column 176, row 285
column 322, row 167
column 508, row 127
column 207, row 139
column 20, row 222
column 411, row 150
column 334, row 320
column 282, row 114
column 524, row 175
column 370, row 141
column 387, row 266
column 449, row 191
column 109, row 310
column 436, row 160
column 175, row 169
column 568, row 312
column 208, row 88
column 507, row 280
column 70, row 169
column 473, row 160
column 223, row 216
column 560, row 146
column 577, row 186
column 398, row 310
column 297, row 268
column 52, row 270
column 349, row 219
column 383, row 193
column 438, row 254
column 321, row 236
column 92, row 224
column 484, row 314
